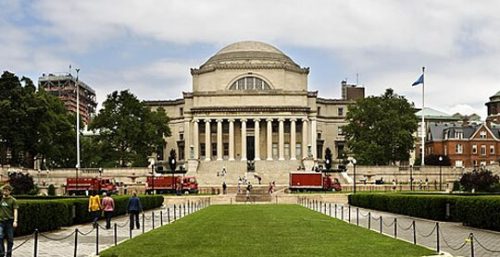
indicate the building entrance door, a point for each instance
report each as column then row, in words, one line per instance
column 250, row 148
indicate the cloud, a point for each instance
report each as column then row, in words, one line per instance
column 385, row 41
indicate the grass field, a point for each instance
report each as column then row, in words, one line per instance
column 262, row 230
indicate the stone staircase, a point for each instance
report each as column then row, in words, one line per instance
column 259, row 193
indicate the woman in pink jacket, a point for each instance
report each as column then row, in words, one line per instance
column 108, row 206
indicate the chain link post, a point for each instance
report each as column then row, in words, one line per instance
column 438, row 248
column 35, row 243
column 76, row 243
column 414, row 232
column 115, row 234
column 97, row 239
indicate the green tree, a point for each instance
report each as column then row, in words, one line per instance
column 22, row 183
column 33, row 124
column 380, row 129
column 128, row 131
column 480, row 180
column 328, row 158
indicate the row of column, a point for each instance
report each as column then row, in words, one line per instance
column 281, row 138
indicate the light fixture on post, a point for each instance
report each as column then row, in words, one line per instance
column 354, row 171
column 77, row 128
column 440, row 173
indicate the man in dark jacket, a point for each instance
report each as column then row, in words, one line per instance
column 134, row 207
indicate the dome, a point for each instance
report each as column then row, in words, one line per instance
column 249, row 55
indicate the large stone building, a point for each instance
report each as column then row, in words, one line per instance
column 250, row 101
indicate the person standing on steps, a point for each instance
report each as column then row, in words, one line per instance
column 108, row 206
column 8, row 220
column 224, row 188
column 134, row 207
column 249, row 189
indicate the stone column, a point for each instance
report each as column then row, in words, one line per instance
column 257, row 139
column 269, row 139
column 196, row 134
column 293, row 139
column 243, row 139
column 313, row 137
column 281, row 138
column 207, row 140
column 187, row 138
column 304, row 137
column 231, row 139
column 219, row 139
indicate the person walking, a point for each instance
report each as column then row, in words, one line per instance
column 8, row 220
column 224, row 188
column 108, row 206
column 134, row 207
column 95, row 207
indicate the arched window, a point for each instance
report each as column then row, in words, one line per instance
column 250, row 83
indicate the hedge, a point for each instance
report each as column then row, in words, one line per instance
column 476, row 211
column 46, row 215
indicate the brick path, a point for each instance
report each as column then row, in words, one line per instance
column 61, row 243
column 453, row 236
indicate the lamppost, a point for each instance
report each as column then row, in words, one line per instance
column 153, row 174
column 411, row 177
column 77, row 128
column 440, row 172
column 354, row 173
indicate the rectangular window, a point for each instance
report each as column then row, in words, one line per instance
column 492, row 149
column 319, row 110
column 214, row 149
column 459, row 163
column 287, row 151
column 226, row 149
column 482, row 134
column 202, row 150
column 459, row 134
column 340, row 111
column 181, row 136
column 181, row 111
column 474, row 149
column 458, row 149
column 275, row 151
column 483, row 149
column 298, row 151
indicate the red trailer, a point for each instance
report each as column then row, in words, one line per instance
column 309, row 181
column 172, row 184
column 85, row 185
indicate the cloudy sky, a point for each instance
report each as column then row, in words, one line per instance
column 149, row 46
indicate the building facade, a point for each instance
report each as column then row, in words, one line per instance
column 250, row 101
column 64, row 87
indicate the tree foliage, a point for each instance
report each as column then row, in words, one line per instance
column 22, row 183
column 380, row 129
column 33, row 124
column 328, row 158
column 128, row 131
column 480, row 180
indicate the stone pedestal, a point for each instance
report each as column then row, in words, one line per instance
column 192, row 165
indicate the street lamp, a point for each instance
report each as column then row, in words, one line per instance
column 77, row 128
column 411, row 177
column 354, row 171
column 440, row 173
column 153, row 174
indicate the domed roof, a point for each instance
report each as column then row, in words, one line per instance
column 249, row 55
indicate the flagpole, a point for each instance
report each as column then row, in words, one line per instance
column 423, row 132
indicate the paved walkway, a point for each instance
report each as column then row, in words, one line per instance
column 61, row 243
column 454, row 238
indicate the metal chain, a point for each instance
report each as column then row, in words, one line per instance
column 28, row 238
column 364, row 215
column 451, row 247
column 84, row 234
column 405, row 229
column 124, row 224
column 388, row 225
column 484, row 247
column 376, row 219
column 57, row 239
column 430, row 234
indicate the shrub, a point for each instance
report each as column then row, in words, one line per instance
column 51, row 190
column 480, row 212
column 481, row 181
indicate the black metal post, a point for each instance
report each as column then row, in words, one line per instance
column 440, row 176
column 175, row 215
column 381, row 222
column 180, row 211
column 414, row 233
column 168, row 215
column 342, row 212
column 130, row 230
column 161, row 218
column 97, row 239
column 330, row 209
column 115, row 234
column 471, row 237
column 395, row 228
column 152, row 219
column 76, row 243
column 349, row 214
column 438, row 248
column 354, row 164
column 369, row 220
column 143, row 223
column 35, row 251
column 335, row 210
column 357, row 216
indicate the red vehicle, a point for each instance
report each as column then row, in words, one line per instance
column 172, row 184
column 83, row 185
column 313, row 181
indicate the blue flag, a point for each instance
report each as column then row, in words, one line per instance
column 419, row 80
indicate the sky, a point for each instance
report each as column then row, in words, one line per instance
column 149, row 46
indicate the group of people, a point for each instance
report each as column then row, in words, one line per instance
column 106, row 207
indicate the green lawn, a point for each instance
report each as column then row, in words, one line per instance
column 262, row 230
